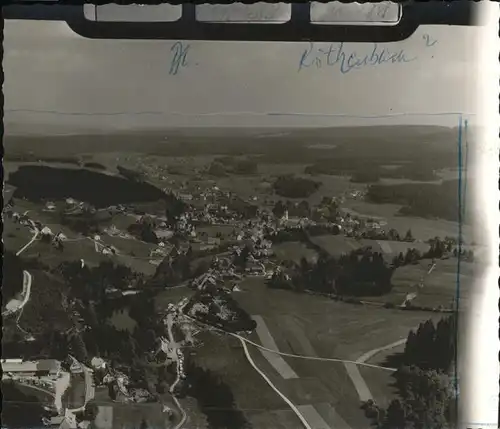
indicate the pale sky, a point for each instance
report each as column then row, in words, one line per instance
column 59, row 82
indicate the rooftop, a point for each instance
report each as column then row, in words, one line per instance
column 31, row 366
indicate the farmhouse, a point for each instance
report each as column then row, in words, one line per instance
column 46, row 367
column 164, row 234
column 50, row 206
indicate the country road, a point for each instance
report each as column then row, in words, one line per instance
column 27, row 280
column 175, row 346
column 351, row 367
column 368, row 355
column 355, row 375
column 270, row 383
column 29, row 243
column 356, row 362
column 15, row 305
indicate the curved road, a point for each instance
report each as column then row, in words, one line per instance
column 29, row 243
column 351, row 367
column 170, row 321
column 270, row 383
column 371, row 353
column 357, row 362
column 27, row 280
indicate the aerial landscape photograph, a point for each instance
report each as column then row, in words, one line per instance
column 230, row 278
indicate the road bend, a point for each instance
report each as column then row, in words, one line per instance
column 170, row 322
column 29, row 243
column 271, row 384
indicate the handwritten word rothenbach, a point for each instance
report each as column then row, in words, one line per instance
column 336, row 55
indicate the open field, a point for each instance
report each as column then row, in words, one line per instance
column 317, row 383
column 274, row 419
column 15, row 236
column 381, row 385
column 225, row 357
column 134, row 253
column 334, row 329
column 393, row 248
column 129, row 246
column 293, row 251
column 171, row 296
column 73, row 251
column 129, row 415
column 315, row 326
column 440, row 286
column 422, row 229
column 335, row 245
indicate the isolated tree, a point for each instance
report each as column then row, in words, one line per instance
column 393, row 235
column 241, row 260
column 409, row 236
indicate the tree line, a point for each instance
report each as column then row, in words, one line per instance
column 92, row 283
column 362, row 272
column 427, row 401
column 295, row 187
column 12, row 278
column 423, row 200
column 432, row 346
column 427, row 396
column 363, row 170
column 228, row 165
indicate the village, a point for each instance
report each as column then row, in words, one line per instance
column 237, row 235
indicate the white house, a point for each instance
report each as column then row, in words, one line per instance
column 46, row 231
column 98, row 363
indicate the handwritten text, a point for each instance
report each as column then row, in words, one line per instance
column 429, row 41
column 336, row 55
column 178, row 57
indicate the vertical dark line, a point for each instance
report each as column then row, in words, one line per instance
column 457, row 289
column 466, row 164
column 1, row 131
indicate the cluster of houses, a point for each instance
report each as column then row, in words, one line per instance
column 42, row 374
column 71, row 207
